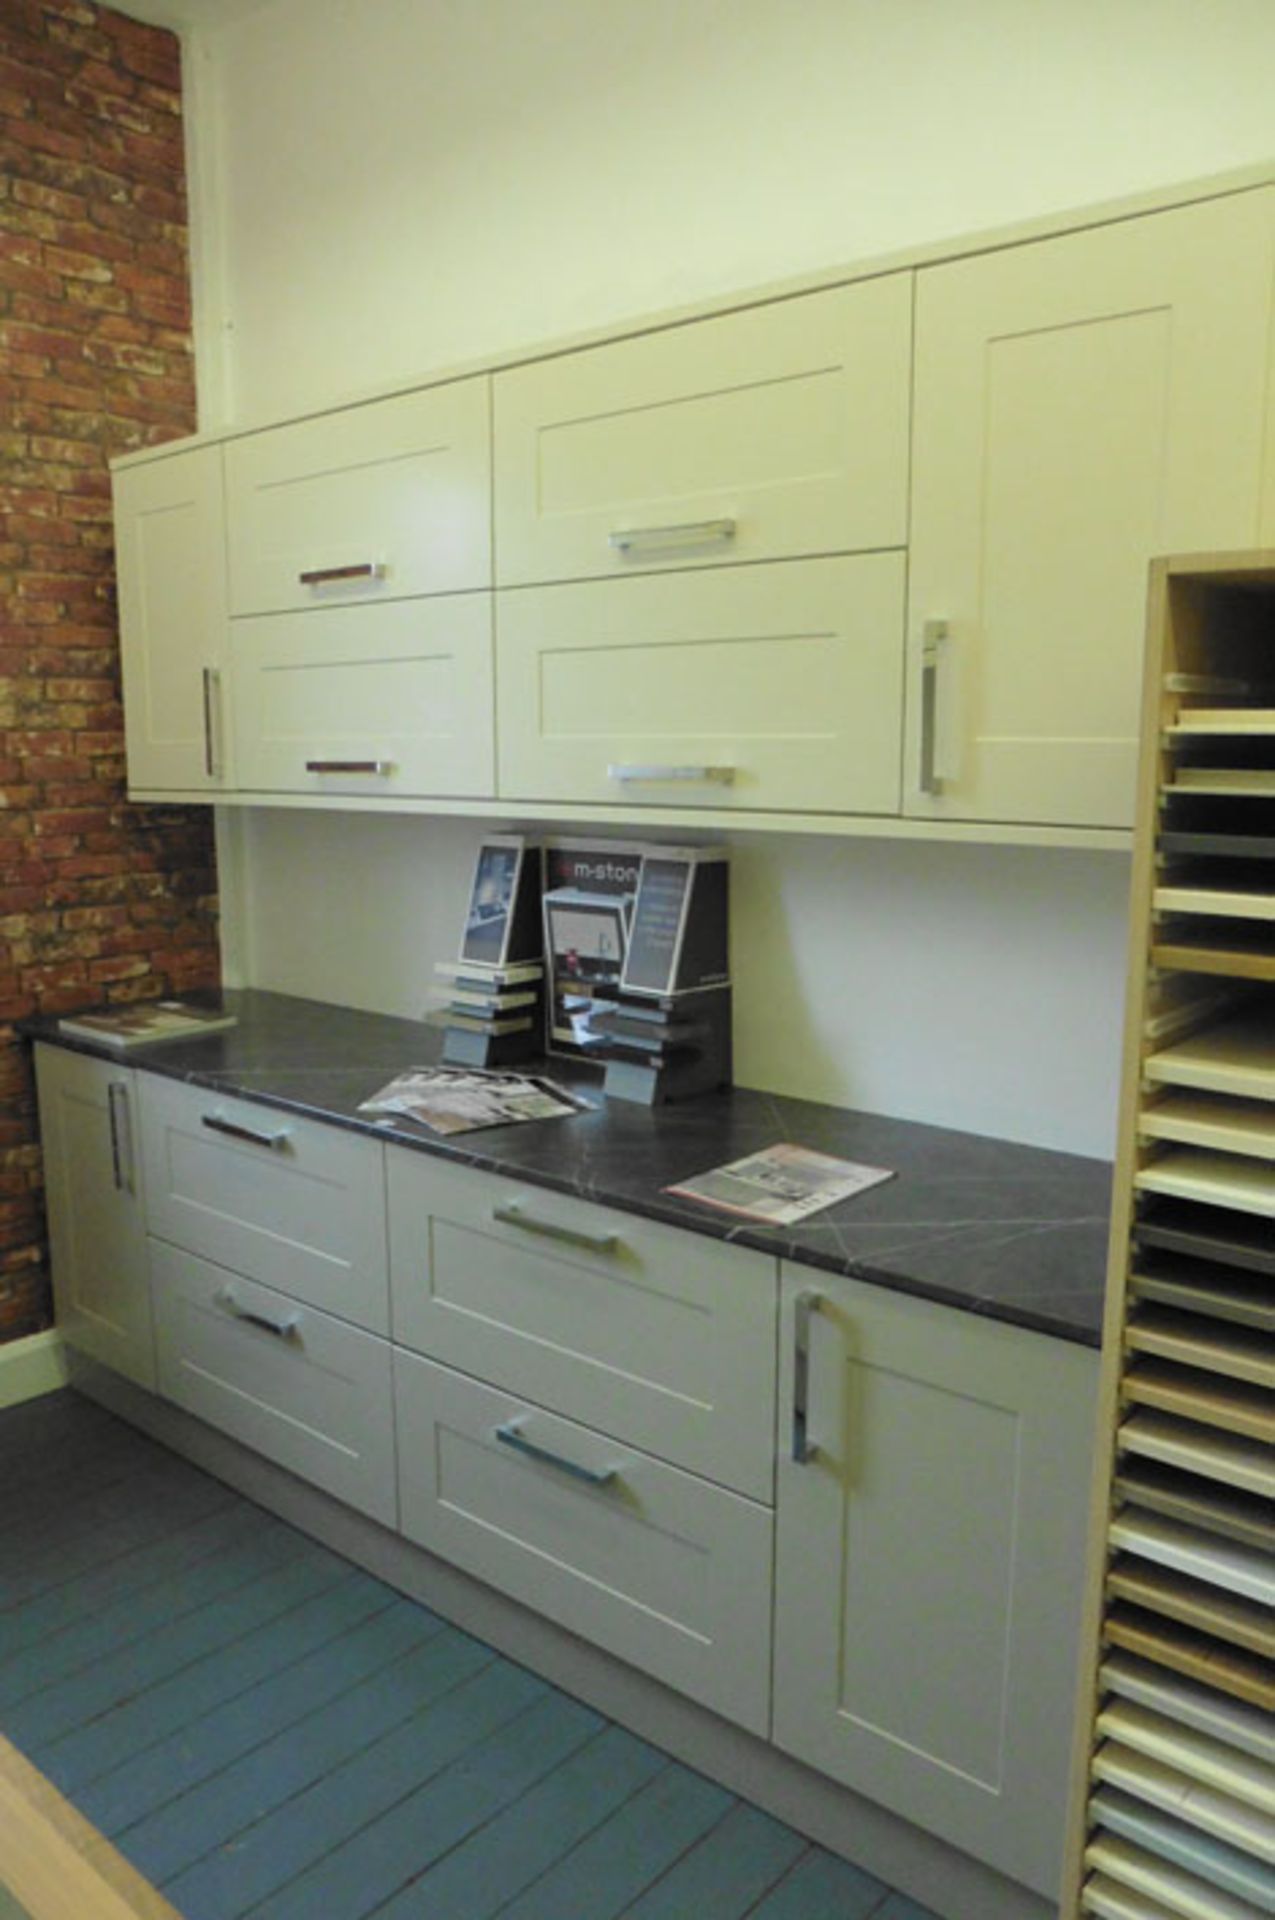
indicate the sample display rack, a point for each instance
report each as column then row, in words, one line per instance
column 1173, row 1813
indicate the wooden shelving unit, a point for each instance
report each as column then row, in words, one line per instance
column 1173, row 1810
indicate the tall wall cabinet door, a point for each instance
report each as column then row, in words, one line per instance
column 929, row 1562
column 97, row 1233
column 170, row 542
column 1082, row 403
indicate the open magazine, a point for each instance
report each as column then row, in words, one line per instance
column 464, row 1099
column 781, row 1184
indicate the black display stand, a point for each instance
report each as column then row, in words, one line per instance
column 663, row 1049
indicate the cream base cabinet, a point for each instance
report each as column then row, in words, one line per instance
column 929, row 1558
column 1081, row 404
column 97, row 1228
column 170, row 540
column 751, row 436
column 373, row 701
column 773, row 687
column 658, row 1566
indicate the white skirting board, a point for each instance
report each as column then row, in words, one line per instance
column 32, row 1366
column 928, row 1870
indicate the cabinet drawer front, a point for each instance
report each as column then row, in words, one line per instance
column 298, row 1205
column 657, row 1566
column 375, row 502
column 774, row 687
column 307, row 1391
column 663, row 1338
column 774, row 432
column 367, row 700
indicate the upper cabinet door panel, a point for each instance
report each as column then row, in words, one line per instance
column 1082, row 404
column 776, row 687
column 170, row 543
column 765, row 434
column 377, row 502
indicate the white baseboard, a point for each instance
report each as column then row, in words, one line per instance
column 31, row 1367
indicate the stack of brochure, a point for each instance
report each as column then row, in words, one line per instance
column 490, row 1000
column 461, row 1100
column 145, row 1022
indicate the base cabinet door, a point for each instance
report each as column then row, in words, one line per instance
column 97, row 1231
column 929, row 1554
column 1082, row 404
column 658, row 1566
column 305, row 1390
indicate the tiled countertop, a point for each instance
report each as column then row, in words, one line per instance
column 987, row 1226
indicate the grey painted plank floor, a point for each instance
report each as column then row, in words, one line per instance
column 263, row 1729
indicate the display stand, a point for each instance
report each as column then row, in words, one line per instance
column 1173, row 1810
column 494, row 999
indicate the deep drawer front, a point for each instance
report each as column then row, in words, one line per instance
column 660, row 1337
column 291, row 1203
column 760, row 435
column 375, row 701
column 374, row 502
column 658, row 1567
column 309, row 1392
column 757, row 687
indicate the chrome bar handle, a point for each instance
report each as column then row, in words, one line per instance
column 217, row 1123
column 806, row 1303
column 512, row 1215
column 933, row 638
column 212, row 689
column 383, row 768
column 634, row 542
column 511, row 1436
column 286, row 1329
column 665, row 776
column 121, row 1136
column 331, row 576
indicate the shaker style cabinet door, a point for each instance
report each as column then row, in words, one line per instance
column 1082, row 404
column 375, row 502
column 775, row 687
column 170, row 541
column 93, row 1191
column 375, row 701
column 929, row 1561
column 778, row 431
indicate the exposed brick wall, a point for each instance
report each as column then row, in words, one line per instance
column 99, row 900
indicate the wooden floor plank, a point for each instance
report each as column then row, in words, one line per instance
column 270, row 1580
column 609, row 1870
column 821, row 1887
column 356, row 1878
column 250, row 1545
column 236, row 1796
column 289, row 1606
column 726, row 1873
column 478, row 1877
column 38, row 1619
column 271, row 1853
column 55, row 1863
column 373, row 1630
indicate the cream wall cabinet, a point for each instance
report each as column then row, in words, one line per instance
column 363, row 700
column 760, row 435
column 374, row 502
column 769, row 688
column 658, row 1566
column 170, row 556
column 289, row 1203
column 929, row 1557
column 93, row 1194
column 658, row 1337
column 1081, row 404
column 306, row 1390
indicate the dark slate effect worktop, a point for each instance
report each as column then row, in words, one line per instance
column 984, row 1225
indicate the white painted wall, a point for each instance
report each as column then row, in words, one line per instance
column 405, row 183
column 386, row 185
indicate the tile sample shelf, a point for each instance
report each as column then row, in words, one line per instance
column 1173, row 1810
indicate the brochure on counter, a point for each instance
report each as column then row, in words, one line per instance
column 465, row 1099
column 781, row 1185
